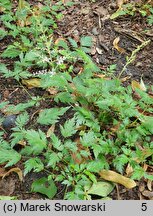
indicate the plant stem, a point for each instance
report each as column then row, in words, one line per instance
column 133, row 56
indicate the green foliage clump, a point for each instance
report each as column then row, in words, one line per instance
column 109, row 129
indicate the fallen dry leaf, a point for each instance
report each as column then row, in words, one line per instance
column 148, row 194
column 117, row 178
column 143, row 111
column 141, row 186
column 65, row 1
column 143, row 87
column 82, row 128
column 129, row 170
column 124, row 79
column 2, row 172
column 79, row 159
column 150, row 184
column 136, row 85
column 101, row 11
column 32, row 83
column 22, row 142
column 102, row 76
column 23, row 23
column 116, row 46
column 50, row 131
column 145, row 166
column 120, row 3
column 99, row 51
column 52, row 91
column 2, row 9
column 16, row 170
column 115, row 128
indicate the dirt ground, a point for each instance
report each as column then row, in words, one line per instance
column 89, row 18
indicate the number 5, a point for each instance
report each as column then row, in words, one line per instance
column 144, row 206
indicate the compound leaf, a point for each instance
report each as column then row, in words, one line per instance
column 69, row 128
column 35, row 164
column 37, row 142
column 9, row 156
column 51, row 116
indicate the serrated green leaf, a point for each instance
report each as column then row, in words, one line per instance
column 138, row 173
column 26, row 41
column 88, row 139
column 36, row 140
column 64, row 97
column 91, row 176
column 3, row 69
column 69, row 128
column 97, row 149
column 22, row 119
column 53, row 159
column 9, row 156
column 57, row 144
column 3, row 104
column 17, row 73
column 147, row 176
column 35, row 164
column 4, row 144
column 62, row 43
column 86, row 41
column 120, row 161
column 51, row 116
column 97, row 165
column 117, row 14
column 73, row 43
column 44, row 186
column 20, row 107
column 31, row 56
column 87, row 114
column 72, row 146
column 3, row 33
column 11, row 52
column 86, row 49
column 16, row 137
column 101, row 188
column 57, row 80
column 6, row 4
column 148, row 124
